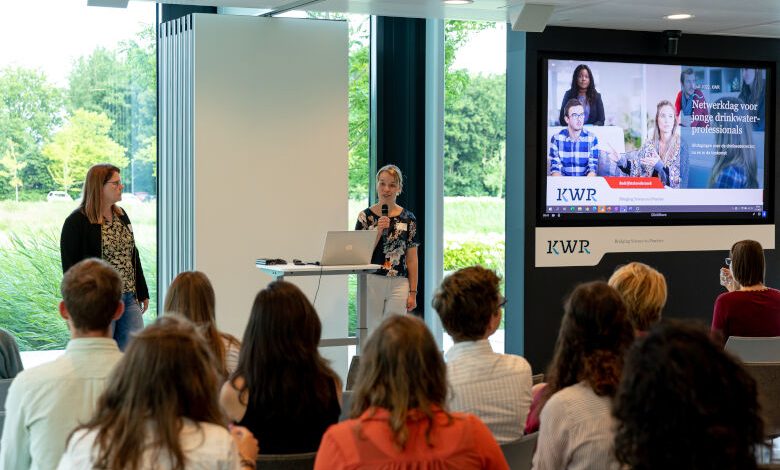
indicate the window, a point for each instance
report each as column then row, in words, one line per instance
column 86, row 95
column 474, row 149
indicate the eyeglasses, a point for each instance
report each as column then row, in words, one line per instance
column 115, row 183
column 577, row 115
column 728, row 261
column 502, row 303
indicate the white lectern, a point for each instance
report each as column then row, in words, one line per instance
column 280, row 271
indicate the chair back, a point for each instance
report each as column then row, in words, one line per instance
column 537, row 379
column 767, row 377
column 5, row 384
column 766, row 349
column 346, row 404
column 286, row 461
column 519, row 454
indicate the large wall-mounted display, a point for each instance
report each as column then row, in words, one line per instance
column 638, row 141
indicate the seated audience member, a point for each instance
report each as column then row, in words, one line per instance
column 399, row 416
column 45, row 403
column 749, row 308
column 495, row 387
column 685, row 403
column 191, row 295
column 644, row 292
column 577, row 428
column 573, row 150
column 10, row 360
column 160, row 409
column 283, row 390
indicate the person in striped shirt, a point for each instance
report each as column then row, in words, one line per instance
column 573, row 150
column 495, row 387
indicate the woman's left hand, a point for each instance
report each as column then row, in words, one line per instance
column 144, row 304
column 411, row 302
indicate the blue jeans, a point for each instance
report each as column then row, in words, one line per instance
column 130, row 321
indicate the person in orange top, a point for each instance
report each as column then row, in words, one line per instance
column 399, row 417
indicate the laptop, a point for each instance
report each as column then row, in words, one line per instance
column 348, row 247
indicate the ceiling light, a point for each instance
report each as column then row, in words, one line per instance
column 679, row 16
column 458, row 2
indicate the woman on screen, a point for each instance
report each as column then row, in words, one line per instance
column 393, row 288
column 735, row 165
column 583, row 89
column 663, row 157
column 283, row 390
column 752, row 93
column 101, row 229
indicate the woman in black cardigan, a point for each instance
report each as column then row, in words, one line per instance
column 101, row 229
column 583, row 88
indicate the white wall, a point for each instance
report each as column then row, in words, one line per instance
column 270, row 157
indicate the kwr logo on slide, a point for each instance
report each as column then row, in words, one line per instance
column 556, row 247
column 576, row 194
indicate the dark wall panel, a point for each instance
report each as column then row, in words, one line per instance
column 692, row 276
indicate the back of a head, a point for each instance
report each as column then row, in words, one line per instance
column 594, row 334
column 153, row 386
column 685, row 403
column 401, row 369
column 747, row 262
column 279, row 359
column 644, row 292
column 91, row 290
column 192, row 296
column 466, row 301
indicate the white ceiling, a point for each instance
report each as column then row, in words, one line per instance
column 759, row 18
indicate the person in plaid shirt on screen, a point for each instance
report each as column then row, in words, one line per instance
column 573, row 150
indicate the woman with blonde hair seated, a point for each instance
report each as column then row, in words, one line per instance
column 399, row 417
column 160, row 410
column 644, row 293
column 191, row 295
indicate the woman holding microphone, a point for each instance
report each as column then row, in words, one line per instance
column 393, row 288
column 99, row 228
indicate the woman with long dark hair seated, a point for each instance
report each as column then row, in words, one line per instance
column 160, row 410
column 685, row 403
column 749, row 308
column 399, row 415
column 283, row 390
column 576, row 430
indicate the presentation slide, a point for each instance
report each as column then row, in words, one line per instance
column 654, row 140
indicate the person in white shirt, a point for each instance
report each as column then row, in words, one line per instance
column 160, row 410
column 45, row 403
column 495, row 387
column 577, row 429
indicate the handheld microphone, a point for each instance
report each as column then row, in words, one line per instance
column 384, row 214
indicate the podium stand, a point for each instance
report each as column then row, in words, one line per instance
column 280, row 271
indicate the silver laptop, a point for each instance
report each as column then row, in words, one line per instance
column 348, row 247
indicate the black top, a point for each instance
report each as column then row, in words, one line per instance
column 390, row 252
column 596, row 114
column 292, row 434
column 81, row 240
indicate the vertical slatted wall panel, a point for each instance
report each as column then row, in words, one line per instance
column 175, row 159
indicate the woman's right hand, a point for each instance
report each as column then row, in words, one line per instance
column 246, row 443
column 727, row 280
column 383, row 223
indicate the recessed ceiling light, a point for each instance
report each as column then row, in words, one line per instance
column 458, row 2
column 679, row 16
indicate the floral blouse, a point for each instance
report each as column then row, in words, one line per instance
column 117, row 240
column 390, row 252
column 672, row 173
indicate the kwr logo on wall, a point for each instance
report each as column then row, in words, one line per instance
column 576, row 194
column 556, row 247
